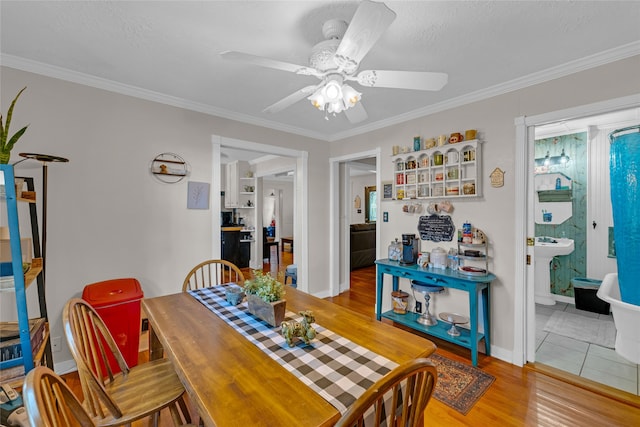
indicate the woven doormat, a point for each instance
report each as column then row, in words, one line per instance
column 459, row 386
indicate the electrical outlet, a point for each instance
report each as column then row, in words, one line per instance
column 418, row 307
column 55, row 344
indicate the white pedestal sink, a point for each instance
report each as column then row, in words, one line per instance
column 544, row 251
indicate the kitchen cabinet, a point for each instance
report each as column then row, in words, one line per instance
column 447, row 171
column 231, row 185
column 240, row 186
column 236, row 245
column 26, row 268
column 230, row 241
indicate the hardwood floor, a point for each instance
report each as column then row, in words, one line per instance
column 518, row 397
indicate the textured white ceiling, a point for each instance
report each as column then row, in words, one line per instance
column 169, row 50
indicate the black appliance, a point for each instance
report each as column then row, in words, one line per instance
column 226, row 218
column 409, row 249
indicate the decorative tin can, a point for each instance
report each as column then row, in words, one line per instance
column 400, row 302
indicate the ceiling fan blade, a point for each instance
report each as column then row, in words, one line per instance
column 367, row 25
column 247, row 58
column 418, row 80
column 357, row 113
column 291, row 99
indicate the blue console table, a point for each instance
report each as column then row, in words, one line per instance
column 474, row 285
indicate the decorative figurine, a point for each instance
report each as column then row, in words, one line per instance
column 292, row 328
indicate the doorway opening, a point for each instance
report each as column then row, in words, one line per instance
column 266, row 168
column 540, row 345
column 344, row 171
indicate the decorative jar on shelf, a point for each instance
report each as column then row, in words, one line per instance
column 417, row 143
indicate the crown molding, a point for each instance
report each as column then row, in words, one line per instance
column 571, row 67
column 568, row 68
column 65, row 74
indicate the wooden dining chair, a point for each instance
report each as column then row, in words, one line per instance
column 419, row 377
column 118, row 398
column 50, row 402
column 211, row 273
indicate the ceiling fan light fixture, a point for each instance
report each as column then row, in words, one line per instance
column 335, row 107
column 332, row 91
column 350, row 96
column 317, row 99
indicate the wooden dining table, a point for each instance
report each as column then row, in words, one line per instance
column 232, row 382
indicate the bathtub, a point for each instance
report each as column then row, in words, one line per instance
column 626, row 317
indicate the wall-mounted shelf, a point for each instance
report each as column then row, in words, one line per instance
column 553, row 204
column 169, row 168
column 554, row 196
column 450, row 170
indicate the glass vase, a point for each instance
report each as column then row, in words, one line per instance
column 624, row 168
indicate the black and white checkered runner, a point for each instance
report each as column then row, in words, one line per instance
column 336, row 368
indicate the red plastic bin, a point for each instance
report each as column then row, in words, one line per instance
column 117, row 301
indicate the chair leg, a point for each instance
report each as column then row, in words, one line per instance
column 184, row 409
column 180, row 412
column 175, row 414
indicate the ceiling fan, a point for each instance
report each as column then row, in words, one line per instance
column 335, row 61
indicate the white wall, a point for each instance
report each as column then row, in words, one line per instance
column 286, row 214
column 494, row 212
column 108, row 217
column 358, row 184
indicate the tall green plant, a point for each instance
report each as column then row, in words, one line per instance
column 7, row 146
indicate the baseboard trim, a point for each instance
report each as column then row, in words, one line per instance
column 584, row 383
column 65, row 367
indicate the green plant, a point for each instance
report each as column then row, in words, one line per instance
column 6, row 146
column 264, row 286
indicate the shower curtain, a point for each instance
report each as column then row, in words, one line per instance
column 624, row 168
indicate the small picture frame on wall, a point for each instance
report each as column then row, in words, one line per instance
column 387, row 190
column 198, row 195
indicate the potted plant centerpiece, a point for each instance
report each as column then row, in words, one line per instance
column 264, row 298
column 6, row 146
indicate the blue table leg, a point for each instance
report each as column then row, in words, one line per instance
column 487, row 326
column 379, row 289
column 473, row 318
column 379, row 283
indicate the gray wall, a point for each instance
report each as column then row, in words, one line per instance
column 108, row 217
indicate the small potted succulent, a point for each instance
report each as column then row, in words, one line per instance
column 265, row 298
column 6, row 143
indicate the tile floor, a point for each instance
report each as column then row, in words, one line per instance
column 587, row 360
